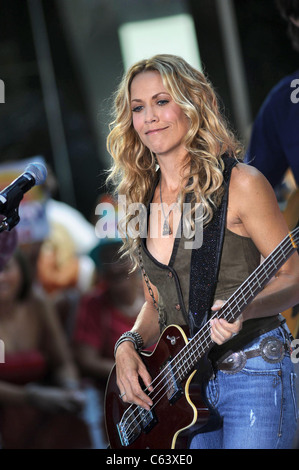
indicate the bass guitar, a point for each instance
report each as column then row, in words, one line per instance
column 177, row 405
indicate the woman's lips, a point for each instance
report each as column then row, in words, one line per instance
column 154, row 131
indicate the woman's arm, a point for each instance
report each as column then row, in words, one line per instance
column 291, row 212
column 129, row 365
column 253, row 212
column 264, row 223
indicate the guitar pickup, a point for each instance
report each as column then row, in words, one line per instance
column 174, row 390
column 148, row 419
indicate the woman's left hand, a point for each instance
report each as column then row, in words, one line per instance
column 222, row 330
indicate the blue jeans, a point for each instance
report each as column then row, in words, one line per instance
column 257, row 406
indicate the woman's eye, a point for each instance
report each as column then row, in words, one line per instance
column 137, row 109
column 162, row 102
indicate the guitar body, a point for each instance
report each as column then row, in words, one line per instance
column 174, row 412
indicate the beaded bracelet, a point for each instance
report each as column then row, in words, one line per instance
column 132, row 336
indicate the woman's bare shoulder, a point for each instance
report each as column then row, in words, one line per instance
column 249, row 184
column 243, row 175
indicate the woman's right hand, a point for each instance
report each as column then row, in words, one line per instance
column 129, row 368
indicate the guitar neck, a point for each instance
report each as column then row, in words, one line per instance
column 201, row 342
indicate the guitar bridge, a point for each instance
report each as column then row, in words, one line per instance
column 134, row 422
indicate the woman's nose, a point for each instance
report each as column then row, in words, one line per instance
column 150, row 116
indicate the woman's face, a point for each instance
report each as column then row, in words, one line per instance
column 160, row 123
column 10, row 281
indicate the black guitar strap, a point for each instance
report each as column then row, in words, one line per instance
column 205, row 261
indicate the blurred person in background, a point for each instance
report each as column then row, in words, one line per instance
column 65, row 251
column 40, row 394
column 64, row 269
column 274, row 142
column 56, row 239
column 274, row 146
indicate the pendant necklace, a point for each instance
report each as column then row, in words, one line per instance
column 166, row 228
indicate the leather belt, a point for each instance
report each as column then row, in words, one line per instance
column 271, row 349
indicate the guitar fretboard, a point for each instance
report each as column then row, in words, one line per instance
column 201, row 342
column 135, row 418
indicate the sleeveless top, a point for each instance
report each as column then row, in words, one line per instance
column 239, row 258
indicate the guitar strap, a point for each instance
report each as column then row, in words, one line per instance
column 205, row 261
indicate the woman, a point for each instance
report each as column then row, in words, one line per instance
column 166, row 115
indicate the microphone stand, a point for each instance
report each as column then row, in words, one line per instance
column 11, row 210
column 10, row 221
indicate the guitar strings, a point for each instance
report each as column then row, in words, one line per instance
column 188, row 344
column 266, row 261
column 242, row 293
column 226, row 309
column 206, row 327
column 138, row 419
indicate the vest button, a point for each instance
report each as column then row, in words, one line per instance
column 177, row 306
column 170, row 274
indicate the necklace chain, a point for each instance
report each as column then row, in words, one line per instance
column 166, row 228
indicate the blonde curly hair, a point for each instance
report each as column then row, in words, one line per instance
column 134, row 169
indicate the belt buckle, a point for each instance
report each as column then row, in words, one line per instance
column 272, row 349
column 234, row 363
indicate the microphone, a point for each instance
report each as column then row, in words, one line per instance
column 10, row 197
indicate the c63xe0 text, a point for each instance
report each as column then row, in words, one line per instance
column 171, row 459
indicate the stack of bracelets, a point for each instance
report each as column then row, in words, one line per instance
column 132, row 336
